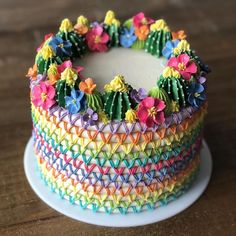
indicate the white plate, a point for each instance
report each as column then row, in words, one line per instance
column 117, row 220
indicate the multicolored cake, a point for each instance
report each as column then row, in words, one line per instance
column 122, row 148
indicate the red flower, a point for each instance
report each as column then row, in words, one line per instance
column 183, row 65
column 150, row 111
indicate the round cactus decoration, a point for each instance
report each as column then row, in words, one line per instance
column 94, row 101
column 174, row 86
column 116, row 98
column 157, row 38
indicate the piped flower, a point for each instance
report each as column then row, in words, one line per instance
column 82, row 25
column 43, row 95
column 201, row 79
column 103, row 117
column 97, row 39
column 70, row 76
column 142, row 32
column 90, row 117
column 150, row 111
column 53, row 74
column 110, row 19
column 196, row 94
column 87, row 86
column 39, row 78
column 32, row 72
column 60, row 47
column 140, row 19
column 117, row 85
column 74, row 103
column 127, row 37
column 183, row 65
column 66, row 26
column 168, row 50
column 138, row 95
column 131, row 116
column 178, row 35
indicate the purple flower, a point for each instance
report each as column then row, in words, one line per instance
column 127, row 37
column 201, row 79
column 90, row 117
column 40, row 78
column 196, row 94
column 138, row 95
column 167, row 51
column 61, row 47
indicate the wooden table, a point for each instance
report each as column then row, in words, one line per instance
column 210, row 26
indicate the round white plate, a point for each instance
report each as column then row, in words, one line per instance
column 117, row 220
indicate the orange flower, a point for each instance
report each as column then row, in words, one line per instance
column 142, row 32
column 87, row 86
column 81, row 29
column 53, row 78
column 32, row 72
column 178, row 35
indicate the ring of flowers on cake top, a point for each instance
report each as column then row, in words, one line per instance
column 54, row 81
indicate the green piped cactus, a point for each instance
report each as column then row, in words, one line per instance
column 94, row 101
column 112, row 27
column 66, row 32
column 157, row 38
column 116, row 98
column 63, row 90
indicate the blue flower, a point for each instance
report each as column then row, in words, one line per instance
column 167, row 51
column 196, row 94
column 75, row 102
column 127, row 37
column 61, row 47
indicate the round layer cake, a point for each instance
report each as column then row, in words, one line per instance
column 129, row 139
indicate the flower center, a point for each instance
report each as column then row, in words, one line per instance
column 43, row 96
column 74, row 101
column 144, row 21
column 196, row 95
column 181, row 66
column 152, row 112
column 61, row 45
column 97, row 39
column 176, row 51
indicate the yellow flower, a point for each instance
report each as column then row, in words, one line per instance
column 130, row 116
column 174, row 106
column 170, row 72
column 81, row 20
column 47, row 52
column 110, row 19
column 183, row 46
column 159, row 25
column 53, row 74
column 70, row 76
column 116, row 85
column 103, row 117
column 66, row 26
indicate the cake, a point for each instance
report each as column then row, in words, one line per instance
column 109, row 144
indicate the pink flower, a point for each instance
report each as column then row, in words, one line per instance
column 68, row 64
column 150, row 111
column 97, row 39
column 183, row 65
column 140, row 19
column 43, row 95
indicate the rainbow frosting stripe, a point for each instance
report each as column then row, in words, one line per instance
column 147, row 170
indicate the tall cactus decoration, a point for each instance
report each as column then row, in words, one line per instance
column 157, row 38
column 45, row 57
column 69, row 80
column 66, row 32
column 112, row 27
column 116, row 98
column 174, row 85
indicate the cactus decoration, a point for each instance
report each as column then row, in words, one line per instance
column 116, row 98
column 112, row 27
column 66, row 32
column 157, row 38
column 69, row 80
column 174, row 85
column 94, row 101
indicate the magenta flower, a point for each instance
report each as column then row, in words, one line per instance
column 183, row 65
column 140, row 19
column 97, row 39
column 150, row 111
column 68, row 64
column 43, row 95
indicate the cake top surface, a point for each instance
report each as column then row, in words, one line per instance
column 58, row 79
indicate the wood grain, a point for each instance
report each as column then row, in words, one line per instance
column 211, row 28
